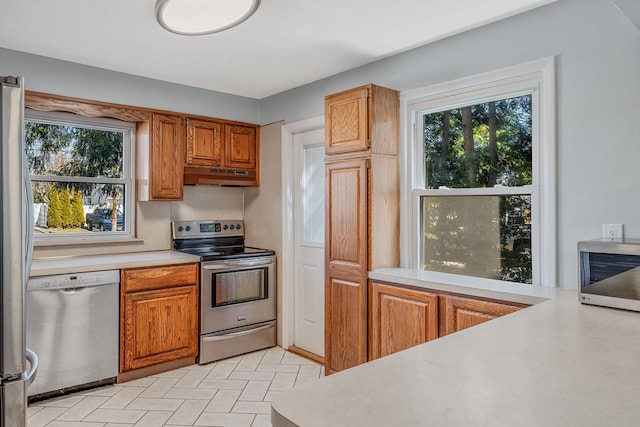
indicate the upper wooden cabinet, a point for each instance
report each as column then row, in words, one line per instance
column 205, row 143
column 221, row 153
column 362, row 119
column 166, row 157
column 242, row 149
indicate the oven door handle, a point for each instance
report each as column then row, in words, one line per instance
column 240, row 264
column 236, row 334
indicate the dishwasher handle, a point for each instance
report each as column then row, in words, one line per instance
column 32, row 357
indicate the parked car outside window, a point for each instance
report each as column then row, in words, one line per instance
column 101, row 219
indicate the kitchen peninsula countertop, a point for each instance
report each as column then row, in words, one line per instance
column 80, row 264
column 557, row 363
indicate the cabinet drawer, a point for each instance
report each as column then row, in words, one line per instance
column 148, row 278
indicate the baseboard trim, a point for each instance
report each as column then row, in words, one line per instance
column 306, row 354
column 155, row 369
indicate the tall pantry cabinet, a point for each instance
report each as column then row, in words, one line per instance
column 362, row 213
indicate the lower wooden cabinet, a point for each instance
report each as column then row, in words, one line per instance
column 345, row 324
column 400, row 318
column 158, row 316
column 461, row 312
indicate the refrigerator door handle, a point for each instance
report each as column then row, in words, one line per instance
column 32, row 357
column 28, row 206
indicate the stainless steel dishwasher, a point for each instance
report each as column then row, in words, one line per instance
column 72, row 324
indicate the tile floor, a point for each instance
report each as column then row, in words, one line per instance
column 234, row 392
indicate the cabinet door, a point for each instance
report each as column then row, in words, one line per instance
column 462, row 313
column 167, row 151
column 347, row 120
column 159, row 326
column 205, row 143
column 400, row 318
column 345, row 323
column 241, row 146
column 346, row 218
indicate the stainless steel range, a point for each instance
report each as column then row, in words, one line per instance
column 237, row 288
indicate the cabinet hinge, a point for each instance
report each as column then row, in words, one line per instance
column 368, row 92
column 368, row 143
column 367, row 163
column 185, row 122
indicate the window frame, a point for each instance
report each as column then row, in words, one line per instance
column 127, row 180
column 536, row 78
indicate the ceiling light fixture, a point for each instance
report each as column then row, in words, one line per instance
column 198, row 17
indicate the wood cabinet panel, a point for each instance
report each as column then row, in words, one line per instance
column 166, row 157
column 461, row 313
column 205, row 143
column 159, row 326
column 400, row 318
column 347, row 121
column 346, row 216
column 148, row 278
column 158, row 315
column 345, row 323
column 241, row 146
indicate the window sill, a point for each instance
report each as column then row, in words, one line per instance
column 484, row 288
column 78, row 241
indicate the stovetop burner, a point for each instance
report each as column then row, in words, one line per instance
column 214, row 240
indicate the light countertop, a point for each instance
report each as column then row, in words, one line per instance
column 557, row 363
column 80, row 264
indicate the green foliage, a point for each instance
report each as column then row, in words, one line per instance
column 65, row 208
column 54, row 215
column 77, row 209
column 444, row 145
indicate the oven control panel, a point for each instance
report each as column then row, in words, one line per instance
column 210, row 228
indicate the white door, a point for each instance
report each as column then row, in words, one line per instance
column 308, row 218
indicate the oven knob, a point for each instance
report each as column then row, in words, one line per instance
column 238, row 226
column 224, row 227
column 181, row 228
column 188, row 228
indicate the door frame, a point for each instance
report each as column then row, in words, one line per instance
column 288, row 258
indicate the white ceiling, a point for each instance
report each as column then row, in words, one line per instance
column 286, row 44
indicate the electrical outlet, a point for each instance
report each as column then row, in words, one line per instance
column 612, row 231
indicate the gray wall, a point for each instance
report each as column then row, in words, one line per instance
column 597, row 49
column 49, row 75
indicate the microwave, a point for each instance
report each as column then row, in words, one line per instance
column 610, row 273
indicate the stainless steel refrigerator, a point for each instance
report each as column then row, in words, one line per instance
column 17, row 364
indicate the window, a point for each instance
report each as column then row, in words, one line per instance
column 81, row 176
column 480, row 174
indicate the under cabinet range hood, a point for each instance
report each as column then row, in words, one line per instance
column 194, row 175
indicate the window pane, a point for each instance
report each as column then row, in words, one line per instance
column 479, row 145
column 480, row 236
column 312, row 193
column 71, row 150
column 63, row 207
